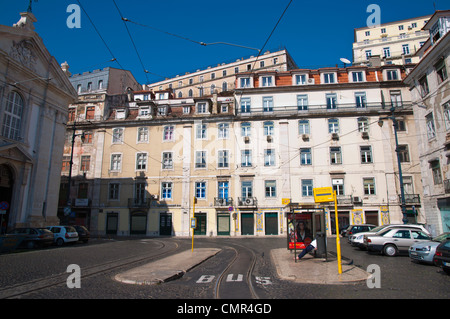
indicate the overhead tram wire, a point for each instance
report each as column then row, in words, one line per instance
column 133, row 42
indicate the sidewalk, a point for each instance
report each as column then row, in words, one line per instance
column 310, row 270
column 166, row 269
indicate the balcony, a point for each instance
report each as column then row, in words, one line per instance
column 139, row 202
column 223, row 202
column 410, row 199
column 247, row 201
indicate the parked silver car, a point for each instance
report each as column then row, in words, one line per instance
column 424, row 251
column 395, row 240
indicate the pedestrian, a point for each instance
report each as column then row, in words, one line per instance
column 311, row 246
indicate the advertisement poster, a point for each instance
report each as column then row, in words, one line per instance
column 299, row 230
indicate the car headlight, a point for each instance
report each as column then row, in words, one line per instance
column 359, row 237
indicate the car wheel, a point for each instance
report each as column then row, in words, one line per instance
column 31, row 244
column 60, row 242
column 390, row 250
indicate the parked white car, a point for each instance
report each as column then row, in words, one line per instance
column 63, row 234
column 357, row 240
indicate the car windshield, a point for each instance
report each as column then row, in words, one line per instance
column 377, row 229
column 442, row 237
column 43, row 230
column 383, row 232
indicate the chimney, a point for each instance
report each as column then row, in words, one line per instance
column 65, row 67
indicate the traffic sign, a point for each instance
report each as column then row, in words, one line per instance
column 323, row 194
column 4, row 205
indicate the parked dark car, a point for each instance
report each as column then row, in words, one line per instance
column 354, row 229
column 442, row 256
column 34, row 237
column 83, row 233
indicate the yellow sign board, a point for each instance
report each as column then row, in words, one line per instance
column 323, row 194
column 285, row 201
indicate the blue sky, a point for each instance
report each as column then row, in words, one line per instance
column 316, row 33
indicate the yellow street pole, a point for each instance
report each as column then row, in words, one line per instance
column 193, row 229
column 338, row 241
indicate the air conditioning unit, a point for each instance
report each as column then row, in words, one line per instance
column 249, row 201
column 155, row 197
column 222, row 201
column 357, row 200
column 311, row 81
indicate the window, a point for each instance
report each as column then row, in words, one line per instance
column 305, row 156
column 142, row 135
column 303, row 127
column 66, row 164
column 202, row 108
column 302, row 102
column 85, row 163
column 431, row 131
column 72, row 113
column 223, row 130
column 113, row 192
column 383, row 30
column 405, row 49
column 307, row 187
column 386, row 52
column 446, row 109
column 331, row 101
column 328, row 78
column 223, row 189
column 358, row 76
column 266, row 81
column 391, row 75
column 271, row 189
column 12, row 118
column 333, row 125
column 117, row 135
column 363, row 124
column 400, row 27
column 90, row 112
column 269, row 157
column 246, row 158
column 268, row 128
column 144, row 112
column 200, row 190
column 236, row 70
column 360, row 99
column 247, row 189
column 338, row 186
column 246, row 129
column 267, row 104
column 300, row 79
column 366, row 154
column 168, row 133
column 403, row 153
column 224, row 86
column 223, row 161
column 245, row 82
column 441, row 71
column 89, row 87
column 368, row 54
column 367, row 33
column 200, row 159
column 139, row 193
column 369, row 186
column 167, row 160
column 335, row 155
column 261, row 64
column 191, row 93
column 436, row 172
column 424, row 88
column 162, row 110
column 245, row 105
column 166, row 190
column 186, row 109
column 141, row 161
column 200, row 131
column 116, row 162
column 396, row 98
column 87, row 137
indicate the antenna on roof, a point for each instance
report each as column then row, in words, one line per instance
column 30, row 5
column 345, row 61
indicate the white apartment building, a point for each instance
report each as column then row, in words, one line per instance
column 393, row 43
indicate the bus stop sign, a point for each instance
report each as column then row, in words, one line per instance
column 323, row 194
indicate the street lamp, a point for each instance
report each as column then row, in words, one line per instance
column 67, row 210
column 397, row 150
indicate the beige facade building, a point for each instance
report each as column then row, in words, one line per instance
column 390, row 43
column 222, row 76
column 34, row 94
column 278, row 136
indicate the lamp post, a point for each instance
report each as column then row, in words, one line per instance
column 68, row 209
column 397, row 150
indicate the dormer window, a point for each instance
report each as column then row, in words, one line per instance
column 144, row 112
column 392, row 75
column 162, row 110
column 358, row 76
column 245, row 82
column 266, row 80
column 121, row 114
column 202, row 108
column 300, row 79
column 329, row 77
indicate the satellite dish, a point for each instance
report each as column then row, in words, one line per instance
column 345, row 61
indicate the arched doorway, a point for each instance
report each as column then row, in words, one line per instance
column 6, row 191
